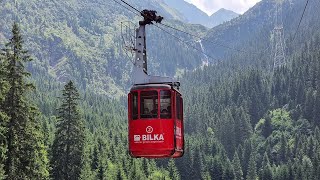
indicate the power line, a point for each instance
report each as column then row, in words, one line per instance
column 219, row 44
column 130, row 6
column 187, row 43
column 197, row 36
column 305, row 7
column 126, row 7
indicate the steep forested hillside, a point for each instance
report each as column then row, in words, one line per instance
column 267, row 121
column 81, row 40
column 242, row 120
column 252, row 31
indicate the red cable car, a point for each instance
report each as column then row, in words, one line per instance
column 155, row 106
column 155, row 116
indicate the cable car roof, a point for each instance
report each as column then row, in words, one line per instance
column 150, row 86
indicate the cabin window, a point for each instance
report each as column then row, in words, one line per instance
column 179, row 107
column 134, row 105
column 165, row 104
column 149, row 104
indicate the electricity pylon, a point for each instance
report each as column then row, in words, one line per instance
column 278, row 44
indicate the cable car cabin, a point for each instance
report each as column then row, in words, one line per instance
column 155, row 121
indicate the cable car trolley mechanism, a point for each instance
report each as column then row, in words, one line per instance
column 155, row 105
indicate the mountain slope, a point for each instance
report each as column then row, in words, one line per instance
column 255, row 26
column 189, row 11
column 260, row 115
column 81, row 40
column 226, row 103
column 221, row 16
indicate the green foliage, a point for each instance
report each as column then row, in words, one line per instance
column 81, row 40
column 3, row 117
column 265, row 171
column 252, row 169
column 173, row 170
column 68, row 145
column 26, row 154
column 238, row 174
column 78, row 40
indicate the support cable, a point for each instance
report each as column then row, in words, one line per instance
column 197, row 36
column 304, row 10
column 185, row 42
column 127, row 7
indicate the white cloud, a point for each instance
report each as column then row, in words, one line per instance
column 211, row 6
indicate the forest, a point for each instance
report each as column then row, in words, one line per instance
column 244, row 119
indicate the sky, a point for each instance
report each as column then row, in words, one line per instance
column 211, row 6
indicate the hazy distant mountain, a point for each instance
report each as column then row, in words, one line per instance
column 221, row 16
column 195, row 16
column 189, row 11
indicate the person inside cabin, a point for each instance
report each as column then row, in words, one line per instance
column 169, row 112
column 146, row 113
column 169, row 109
column 154, row 113
column 164, row 113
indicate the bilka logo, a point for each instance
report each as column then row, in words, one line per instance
column 137, row 137
column 152, row 137
column 149, row 129
column 149, row 138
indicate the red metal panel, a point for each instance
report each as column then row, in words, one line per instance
column 155, row 138
column 151, row 137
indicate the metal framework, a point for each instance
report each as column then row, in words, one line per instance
column 278, row 45
column 140, row 69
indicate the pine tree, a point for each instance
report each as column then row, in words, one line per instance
column 100, row 158
column 26, row 155
column 3, row 116
column 243, row 129
column 68, row 145
column 227, row 132
column 228, row 172
column 252, row 169
column 238, row 174
column 307, row 168
column 87, row 171
column 282, row 157
column 174, row 174
column 265, row 172
column 216, row 168
column 267, row 127
column 246, row 157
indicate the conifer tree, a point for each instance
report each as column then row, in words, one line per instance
column 100, row 159
column 307, row 168
column 283, row 149
column 228, row 172
column 246, row 157
column 68, row 145
column 174, row 174
column 26, row 155
column 267, row 127
column 3, row 117
column 88, row 166
column 265, row 172
column 252, row 169
column 216, row 168
column 238, row 174
column 243, row 128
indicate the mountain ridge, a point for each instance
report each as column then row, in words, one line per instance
column 196, row 16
